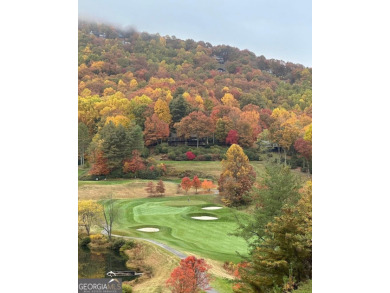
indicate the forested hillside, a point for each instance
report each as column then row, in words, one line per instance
column 138, row 90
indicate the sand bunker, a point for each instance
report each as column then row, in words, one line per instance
column 205, row 218
column 211, row 208
column 148, row 229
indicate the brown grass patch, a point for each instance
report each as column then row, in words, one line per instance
column 156, row 262
column 129, row 189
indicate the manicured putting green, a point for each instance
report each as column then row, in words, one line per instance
column 172, row 216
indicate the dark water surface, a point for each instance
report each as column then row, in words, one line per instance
column 96, row 264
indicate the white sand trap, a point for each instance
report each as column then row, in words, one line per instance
column 205, row 218
column 211, row 208
column 148, row 229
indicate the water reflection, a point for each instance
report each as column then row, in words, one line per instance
column 96, row 264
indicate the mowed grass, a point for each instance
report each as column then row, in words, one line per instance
column 172, row 215
column 120, row 188
column 213, row 168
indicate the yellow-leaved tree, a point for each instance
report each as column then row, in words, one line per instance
column 237, row 176
column 90, row 213
column 161, row 108
column 229, row 100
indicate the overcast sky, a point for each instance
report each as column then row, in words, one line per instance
column 279, row 29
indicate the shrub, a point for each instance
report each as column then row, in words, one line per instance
column 190, row 155
column 117, row 244
column 200, row 158
column 295, row 162
column 181, row 158
column 85, row 241
column 145, row 153
column 172, row 155
column 208, row 157
column 97, row 237
column 128, row 245
column 163, row 148
column 252, row 154
column 126, row 288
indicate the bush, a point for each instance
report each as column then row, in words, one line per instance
column 200, row 158
column 118, row 173
column 190, row 155
column 149, row 173
column 163, row 148
column 128, row 245
column 171, row 155
column 117, row 244
column 252, row 154
column 208, row 157
column 97, row 237
column 295, row 162
column 126, row 288
column 85, row 241
column 145, row 153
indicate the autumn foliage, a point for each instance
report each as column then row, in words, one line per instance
column 134, row 164
column 196, row 183
column 232, row 137
column 100, row 166
column 237, row 176
column 190, row 155
column 186, row 184
column 191, row 276
column 207, row 185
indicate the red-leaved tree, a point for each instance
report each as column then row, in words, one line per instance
column 196, row 183
column 191, row 276
column 100, row 166
column 232, row 137
column 135, row 164
column 186, row 183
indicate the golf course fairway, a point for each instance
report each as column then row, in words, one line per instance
column 172, row 216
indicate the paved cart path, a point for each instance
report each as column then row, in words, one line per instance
column 162, row 245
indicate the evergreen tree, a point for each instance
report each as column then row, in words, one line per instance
column 83, row 141
column 285, row 257
column 279, row 187
column 179, row 108
column 118, row 143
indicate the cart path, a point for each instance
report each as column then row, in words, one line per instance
column 164, row 246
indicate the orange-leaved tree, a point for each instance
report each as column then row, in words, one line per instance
column 191, row 276
column 186, row 183
column 207, row 185
column 196, row 183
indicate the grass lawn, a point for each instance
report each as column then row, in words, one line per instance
column 172, row 215
column 120, row 188
column 213, row 168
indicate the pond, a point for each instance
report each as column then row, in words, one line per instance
column 96, row 264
